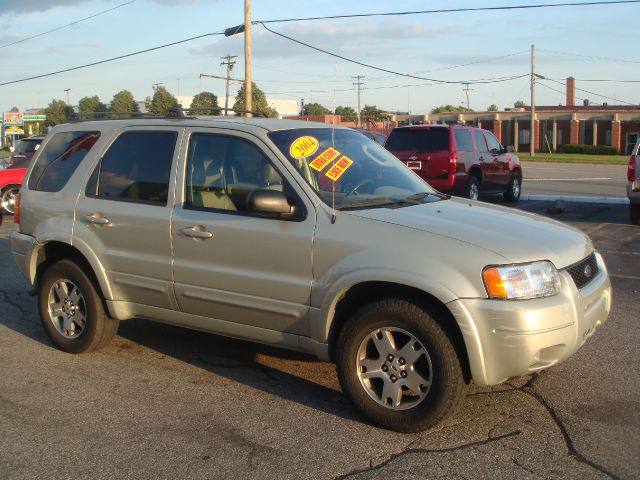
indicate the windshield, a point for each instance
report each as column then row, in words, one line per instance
column 354, row 171
column 27, row 146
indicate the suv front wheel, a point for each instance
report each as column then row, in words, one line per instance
column 513, row 190
column 71, row 309
column 398, row 366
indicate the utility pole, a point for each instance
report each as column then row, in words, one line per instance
column 67, row 90
column 358, row 84
column 466, row 90
column 533, row 100
column 229, row 64
column 247, row 55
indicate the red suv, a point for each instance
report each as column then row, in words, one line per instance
column 11, row 177
column 463, row 160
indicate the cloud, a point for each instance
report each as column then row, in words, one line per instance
column 34, row 6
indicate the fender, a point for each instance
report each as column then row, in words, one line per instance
column 321, row 318
column 12, row 176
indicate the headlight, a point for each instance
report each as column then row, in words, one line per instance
column 520, row 282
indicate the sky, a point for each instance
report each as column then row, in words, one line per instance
column 588, row 43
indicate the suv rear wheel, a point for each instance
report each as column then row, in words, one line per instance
column 71, row 309
column 473, row 189
column 398, row 366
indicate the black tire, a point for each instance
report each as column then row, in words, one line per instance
column 89, row 328
column 447, row 386
column 473, row 188
column 634, row 214
column 513, row 190
column 8, row 198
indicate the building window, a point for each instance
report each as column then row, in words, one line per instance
column 524, row 136
column 607, row 137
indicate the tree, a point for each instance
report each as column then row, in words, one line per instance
column 58, row 112
column 14, row 110
column 91, row 105
column 204, row 100
column 372, row 112
column 346, row 111
column 123, row 102
column 448, row 108
column 163, row 101
column 519, row 104
column 258, row 101
column 315, row 109
column 492, row 108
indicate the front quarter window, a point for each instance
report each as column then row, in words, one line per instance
column 349, row 170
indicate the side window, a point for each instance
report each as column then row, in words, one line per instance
column 463, row 139
column 222, row 170
column 60, row 158
column 136, row 168
column 494, row 144
column 480, row 141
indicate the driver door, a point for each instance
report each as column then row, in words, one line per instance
column 229, row 263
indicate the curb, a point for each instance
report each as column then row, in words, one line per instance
column 577, row 199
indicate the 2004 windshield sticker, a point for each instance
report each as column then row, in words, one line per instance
column 303, row 147
column 341, row 166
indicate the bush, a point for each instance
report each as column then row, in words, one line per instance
column 589, row 149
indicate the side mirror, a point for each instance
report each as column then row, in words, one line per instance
column 270, row 202
column 509, row 149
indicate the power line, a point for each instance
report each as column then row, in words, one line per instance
column 387, row 70
column 594, row 93
column 68, row 24
column 450, row 10
column 599, row 80
column 111, row 59
column 592, row 57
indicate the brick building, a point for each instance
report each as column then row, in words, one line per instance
column 616, row 126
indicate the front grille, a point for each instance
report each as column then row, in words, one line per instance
column 584, row 271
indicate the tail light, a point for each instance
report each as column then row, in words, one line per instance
column 631, row 171
column 453, row 161
column 16, row 210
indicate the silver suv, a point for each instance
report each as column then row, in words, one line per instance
column 304, row 236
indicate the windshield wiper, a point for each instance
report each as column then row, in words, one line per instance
column 380, row 202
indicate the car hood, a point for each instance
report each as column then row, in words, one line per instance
column 515, row 235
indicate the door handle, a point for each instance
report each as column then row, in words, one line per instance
column 96, row 219
column 196, row 232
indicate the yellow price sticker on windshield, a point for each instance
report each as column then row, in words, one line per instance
column 303, row 147
column 341, row 166
column 324, row 158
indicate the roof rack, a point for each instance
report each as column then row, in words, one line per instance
column 172, row 113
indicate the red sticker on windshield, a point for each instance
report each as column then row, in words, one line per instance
column 341, row 166
column 324, row 158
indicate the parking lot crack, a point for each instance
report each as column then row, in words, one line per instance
column 411, row 451
column 528, row 389
column 9, row 297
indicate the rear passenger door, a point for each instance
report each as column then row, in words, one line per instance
column 231, row 264
column 123, row 214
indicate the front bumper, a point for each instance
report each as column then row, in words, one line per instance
column 511, row 338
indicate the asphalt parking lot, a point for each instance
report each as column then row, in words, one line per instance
column 164, row 402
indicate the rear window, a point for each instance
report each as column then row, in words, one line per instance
column 418, row 140
column 59, row 159
column 463, row 140
column 136, row 168
column 27, row 146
